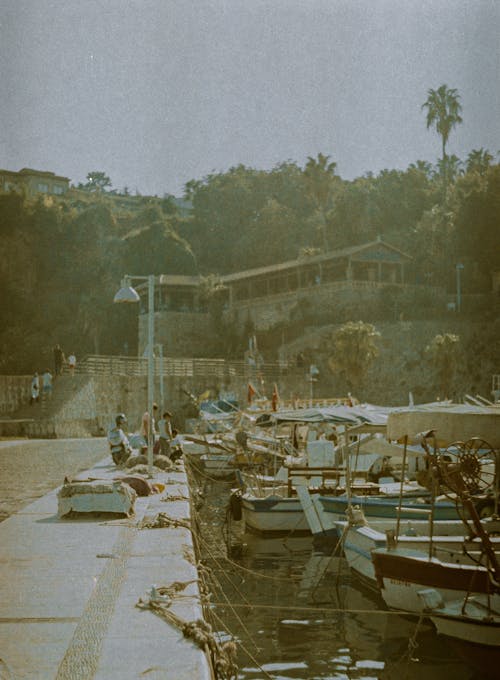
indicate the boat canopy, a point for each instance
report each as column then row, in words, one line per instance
column 451, row 423
column 338, row 415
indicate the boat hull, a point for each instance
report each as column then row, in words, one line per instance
column 473, row 622
column 359, row 541
column 274, row 515
column 400, row 577
column 386, row 507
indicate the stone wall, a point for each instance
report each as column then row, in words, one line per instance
column 15, row 390
column 336, row 301
column 182, row 334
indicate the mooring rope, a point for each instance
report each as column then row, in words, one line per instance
column 211, row 576
column 296, row 608
column 222, row 656
column 244, row 649
column 164, row 521
column 198, row 470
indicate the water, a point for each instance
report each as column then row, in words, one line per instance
column 298, row 614
column 294, row 610
column 30, row 468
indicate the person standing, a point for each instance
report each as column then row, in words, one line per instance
column 58, row 360
column 166, row 436
column 144, row 429
column 72, row 363
column 47, row 383
column 35, row 389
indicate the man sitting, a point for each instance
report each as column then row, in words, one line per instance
column 118, row 442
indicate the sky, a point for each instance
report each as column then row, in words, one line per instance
column 158, row 92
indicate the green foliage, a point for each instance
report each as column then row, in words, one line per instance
column 353, row 349
column 66, row 255
column 96, row 181
column 443, row 113
column 444, row 353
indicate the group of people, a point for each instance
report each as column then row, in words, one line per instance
column 167, row 443
column 60, row 361
column 42, row 384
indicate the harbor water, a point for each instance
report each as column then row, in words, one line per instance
column 298, row 614
column 292, row 607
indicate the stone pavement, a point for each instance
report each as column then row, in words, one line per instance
column 68, row 590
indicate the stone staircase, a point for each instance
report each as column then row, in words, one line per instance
column 72, row 402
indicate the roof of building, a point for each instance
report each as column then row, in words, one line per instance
column 29, row 172
column 315, row 259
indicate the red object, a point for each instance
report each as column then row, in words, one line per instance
column 251, row 393
column 275, row 398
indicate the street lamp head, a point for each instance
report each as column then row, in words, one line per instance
column 127, row 294
column 459, row 265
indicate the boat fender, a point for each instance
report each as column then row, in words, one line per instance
column 235, row 503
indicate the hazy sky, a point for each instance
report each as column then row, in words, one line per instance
column 158, row 92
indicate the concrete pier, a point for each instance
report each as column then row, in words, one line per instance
column 69, row 589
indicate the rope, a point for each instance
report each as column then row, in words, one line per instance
column 332, row 610
column 222, row 656
column 244, row 649
column 198, row 470
column 207, row 573
column 412, row 646
column 180, row 497
column 228, row 603
column 253, row 572
column 164, row 521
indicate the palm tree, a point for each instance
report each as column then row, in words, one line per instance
column 479, row 160
column 319, row 175
column 443, row 113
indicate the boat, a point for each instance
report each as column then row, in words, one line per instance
column 463, row 602
column 218, row 465
column 401, row 574
column 360, row 539
column 277, row 507
column 473, row 619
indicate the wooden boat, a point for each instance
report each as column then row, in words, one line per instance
column 277, row 508
column 475, row 619
column 360, row 540
column 402, row 573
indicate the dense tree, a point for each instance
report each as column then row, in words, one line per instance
column 444, row 353
column 96, row 181
column 66, row 255
column 353, row 349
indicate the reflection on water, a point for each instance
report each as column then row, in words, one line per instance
column 297, row 613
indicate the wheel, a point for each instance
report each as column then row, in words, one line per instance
column 468, row 466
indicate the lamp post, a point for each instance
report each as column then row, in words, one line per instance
column 313, row 377
column 129, row 294
column 459, row 266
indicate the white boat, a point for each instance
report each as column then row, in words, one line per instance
column 474, row 619
column 360, row 539
column 402, row 573
column 278, row 507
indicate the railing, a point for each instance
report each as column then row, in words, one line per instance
column 179, row 367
